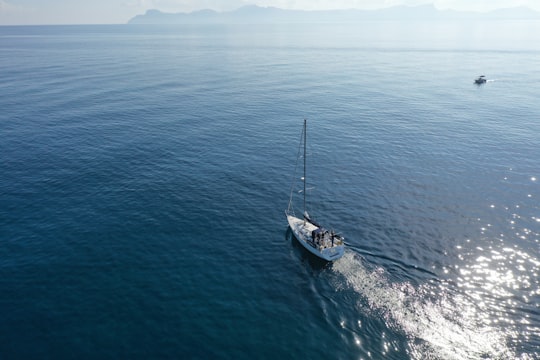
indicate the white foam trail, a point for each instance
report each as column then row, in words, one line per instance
column 448, row 332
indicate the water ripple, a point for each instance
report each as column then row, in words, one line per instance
column 441, row 322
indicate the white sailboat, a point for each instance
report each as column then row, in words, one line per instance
column 319, row 241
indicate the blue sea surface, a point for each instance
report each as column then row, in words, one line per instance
column 145, row 170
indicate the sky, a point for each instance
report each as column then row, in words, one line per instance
column 44, row 12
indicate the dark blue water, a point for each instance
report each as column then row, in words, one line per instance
column 145, row 172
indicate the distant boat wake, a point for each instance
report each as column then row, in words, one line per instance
column 449, row 329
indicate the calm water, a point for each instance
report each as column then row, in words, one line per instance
column 145, row 172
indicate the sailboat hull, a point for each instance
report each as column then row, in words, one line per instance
column 303, row 231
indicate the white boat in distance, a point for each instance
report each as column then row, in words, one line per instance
column 319, row 241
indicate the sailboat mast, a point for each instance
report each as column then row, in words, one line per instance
column 305, row 146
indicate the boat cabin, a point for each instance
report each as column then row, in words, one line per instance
column 323, row 237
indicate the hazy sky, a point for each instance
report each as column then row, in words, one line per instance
column 14, row 12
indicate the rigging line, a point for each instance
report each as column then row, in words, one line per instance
column 295, row 170
column 305, row 156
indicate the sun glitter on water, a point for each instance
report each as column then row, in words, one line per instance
column 453, row 326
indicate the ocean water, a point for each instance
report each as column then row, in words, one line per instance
column 145, row 171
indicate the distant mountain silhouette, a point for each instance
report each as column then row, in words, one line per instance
column 252, row 14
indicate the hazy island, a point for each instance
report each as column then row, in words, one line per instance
column 255, row 14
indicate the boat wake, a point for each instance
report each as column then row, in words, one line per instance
column 438, row 326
